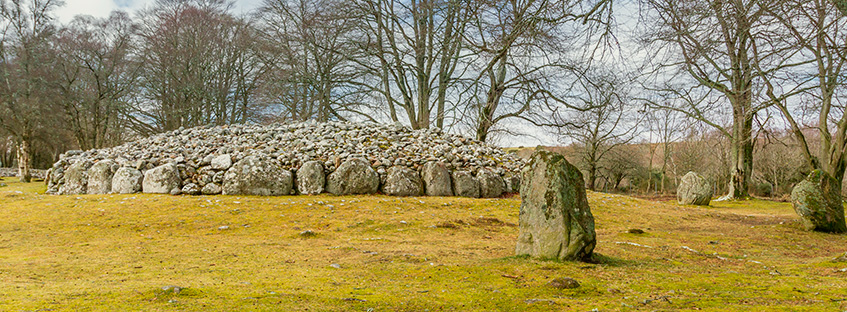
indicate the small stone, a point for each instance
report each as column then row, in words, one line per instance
column 841, row 258
column 222, row 162
column 636, row 231
column 191, row 189
column 223, row 227
column 564, row 283
column 335, row 265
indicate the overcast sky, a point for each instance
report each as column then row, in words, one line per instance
column 102, row 8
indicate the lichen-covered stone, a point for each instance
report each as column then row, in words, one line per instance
column 555, row 219
column 211, row 189
column 694, row 189
column 402, row 181
column 163, row 179
column 311, row 178
column 436, row 178
column 191, row 189
column 464, row 184
column 817, row 200
column 127, row 180
column 491, row 184
column 353, row 176
column 100, row 176
column 76, row 178
column 256, row 176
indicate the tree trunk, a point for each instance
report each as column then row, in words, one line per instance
column 24, row 161
column 592, row 175
column 741, row 154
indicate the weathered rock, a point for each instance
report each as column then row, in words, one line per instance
column 353, row 176
column 694, row 189
column 222, row 162
column 436, row 178
column 513, row 183
column 211, row 189
column 310, row 178
column 76, row 178
column 402, row 181
column 491, row 184
column 564, row 283
column 464, row 184
column 191, row 189
column 555, row 219
column 127, row 180
column 163, row 179
column 817, row 199
column 256, row 176
column 100, row 176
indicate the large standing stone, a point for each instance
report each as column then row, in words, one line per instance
column 257, row 176
column 127, row 180
column 694, row 189
column 100, row 176
column 491, row 184
column 353, row 176
column 222, row 162
column 555, row 220
column 817, row 200
column 402, row 181
column 76, row 178
column 163, row 179
column 310, row 178
column 464, row 184
column 436, row 179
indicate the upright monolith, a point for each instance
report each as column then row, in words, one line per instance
column 555, row 220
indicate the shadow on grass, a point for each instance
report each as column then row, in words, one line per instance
column 596, row 258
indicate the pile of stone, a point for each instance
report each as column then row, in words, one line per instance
column 303, row 158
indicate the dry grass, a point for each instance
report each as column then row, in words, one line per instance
column 117, row 252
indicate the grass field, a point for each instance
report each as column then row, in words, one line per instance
column 377, row 253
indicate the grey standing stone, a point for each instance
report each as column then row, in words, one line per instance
column 464, row 184
column 100, row 176
column 694, row 189
column 76, row 178
column 257, row 176
column 491, row 184
column 310, row 178
column 555, row 220
column 222, row 162
column 127, row 180
column 817, row 200
column 353, row 176
column 436, row 178
column 211, row 189
column 163, row 179
column 402, row 181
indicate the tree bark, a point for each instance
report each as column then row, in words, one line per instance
column 24, row 161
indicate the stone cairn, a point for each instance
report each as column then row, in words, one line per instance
column 302, row 158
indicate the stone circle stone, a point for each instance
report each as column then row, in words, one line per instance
column 402, row 181
column 127, row 180
column 163, row 179
column 555, row 221
column 256, row 176
column 310, row 178
column 694, row 189
column 211, row 189
column 817, row 201
column 191, row 189
column 353, row 176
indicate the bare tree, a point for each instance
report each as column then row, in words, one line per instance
column 98, row 73
column 199, row 67
column 25, row 97
column 603, row 127
column 816, row 32
column 714, row 44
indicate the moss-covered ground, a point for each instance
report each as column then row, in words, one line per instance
column 377, row 253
